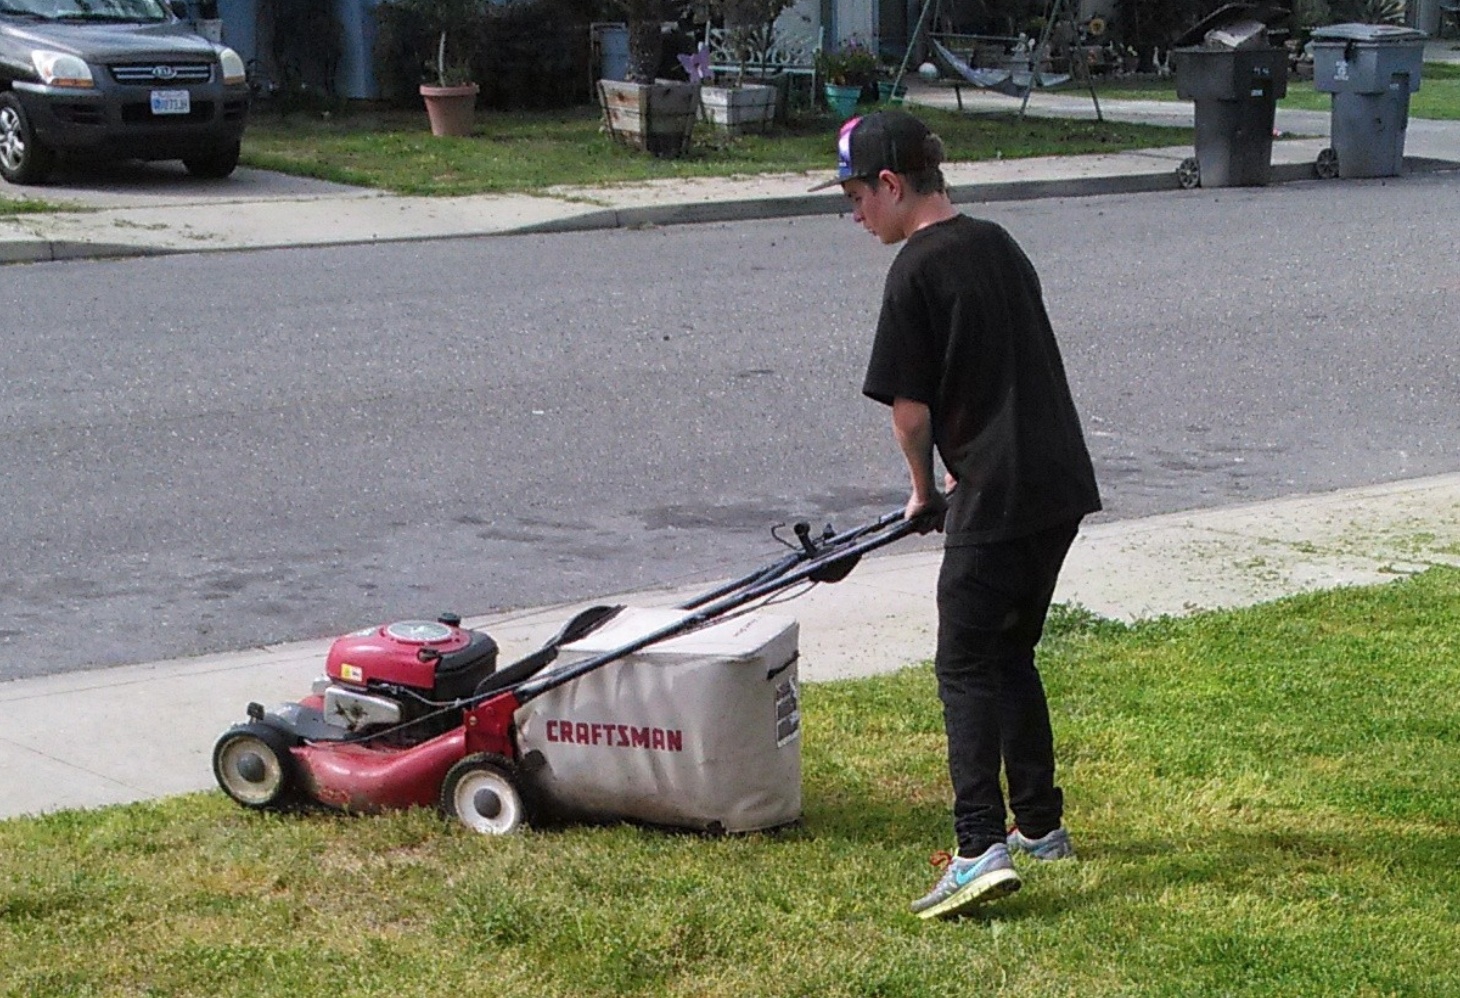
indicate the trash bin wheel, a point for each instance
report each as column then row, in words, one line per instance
column 1188, row 174
column 481, row 792
column 1327, row 165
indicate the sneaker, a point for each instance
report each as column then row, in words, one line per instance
column 1055, row 845
column 968, row 882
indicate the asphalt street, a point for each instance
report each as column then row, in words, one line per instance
column 217, row 451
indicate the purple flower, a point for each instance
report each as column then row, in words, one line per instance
column 697, row 66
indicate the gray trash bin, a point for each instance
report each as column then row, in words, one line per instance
column 1370, row 69
column 1227, row 67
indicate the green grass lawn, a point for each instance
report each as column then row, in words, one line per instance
column 529, row 152
column 11, row 206
column 1264, row 801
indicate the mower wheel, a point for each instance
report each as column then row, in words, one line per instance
column 253, row 765
column 482, row 793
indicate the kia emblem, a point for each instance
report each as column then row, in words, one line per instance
column 163, row 72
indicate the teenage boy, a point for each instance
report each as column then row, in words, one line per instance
column 965, row 356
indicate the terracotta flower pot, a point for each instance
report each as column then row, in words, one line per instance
column 452, row 110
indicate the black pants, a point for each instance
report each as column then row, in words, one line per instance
column 992, row 603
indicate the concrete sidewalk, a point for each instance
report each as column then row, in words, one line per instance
column 158, row 721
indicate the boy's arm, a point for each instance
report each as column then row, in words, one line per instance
column 912, row 426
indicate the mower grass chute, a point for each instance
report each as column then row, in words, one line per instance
column 415, row 713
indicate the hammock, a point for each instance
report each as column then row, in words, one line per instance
column 1010, row 82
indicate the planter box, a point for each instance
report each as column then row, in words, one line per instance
column 739, row 110
column 655, row 117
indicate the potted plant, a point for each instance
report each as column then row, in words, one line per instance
column 643, row 112
column 736, row 105
column 450, row 94
column 890, row 87
column 452, row 99
column 845, row 71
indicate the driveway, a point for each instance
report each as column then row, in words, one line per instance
column 135, row 184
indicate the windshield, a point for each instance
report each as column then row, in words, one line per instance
column 88, row 10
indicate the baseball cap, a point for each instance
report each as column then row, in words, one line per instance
column 883, row 140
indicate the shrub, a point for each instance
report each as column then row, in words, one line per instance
column 850, row 64
column 526, row 54
column 1157, row 23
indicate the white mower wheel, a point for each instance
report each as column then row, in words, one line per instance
column 480, row 792
column 253, row 765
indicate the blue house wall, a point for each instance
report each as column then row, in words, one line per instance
column 356, row 76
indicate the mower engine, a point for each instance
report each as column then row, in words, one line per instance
column 402, row 678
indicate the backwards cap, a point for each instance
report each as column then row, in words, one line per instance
column 884, row 140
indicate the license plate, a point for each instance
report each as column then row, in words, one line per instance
column 170, row 102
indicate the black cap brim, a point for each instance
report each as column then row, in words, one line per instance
column 828, row 183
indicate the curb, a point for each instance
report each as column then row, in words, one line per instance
column 835, row 204
column 56, row 251
column 823, row 204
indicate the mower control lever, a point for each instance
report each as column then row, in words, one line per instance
column 803, row 534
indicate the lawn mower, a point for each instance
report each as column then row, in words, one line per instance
column 686, row 716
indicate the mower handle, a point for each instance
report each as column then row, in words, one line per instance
column 809, row 549
column 862, row 540
column 582, row 624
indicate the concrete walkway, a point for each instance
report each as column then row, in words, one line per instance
column 166, row 715
column 160, row 719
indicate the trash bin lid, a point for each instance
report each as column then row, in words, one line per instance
column 1230, row 15
column 1377, row 33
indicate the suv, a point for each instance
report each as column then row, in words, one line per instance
column 114, row 79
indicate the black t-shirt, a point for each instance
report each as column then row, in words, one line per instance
column 963, row 329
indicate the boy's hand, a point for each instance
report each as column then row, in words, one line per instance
column 930, row 509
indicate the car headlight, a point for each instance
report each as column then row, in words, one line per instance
column 60, row 69
column 232, row 63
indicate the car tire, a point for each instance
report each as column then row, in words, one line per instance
column 23, row 158
column 213, row 165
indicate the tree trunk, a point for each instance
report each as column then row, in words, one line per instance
column 646, row 45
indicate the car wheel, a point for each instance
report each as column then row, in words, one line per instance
column 214, row 165
column 23, row 159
